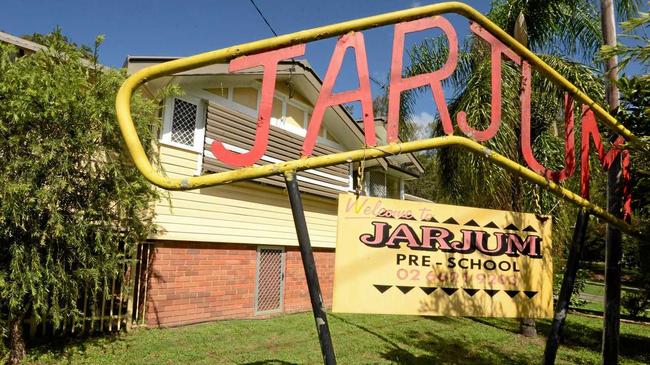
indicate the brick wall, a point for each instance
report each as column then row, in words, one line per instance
column 296, row 295
column 195, row 282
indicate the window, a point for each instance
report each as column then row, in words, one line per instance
column 291, row 114
column 382, row 185
column 184, row 122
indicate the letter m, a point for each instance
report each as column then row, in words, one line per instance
column 515, row 245
column 590, row 131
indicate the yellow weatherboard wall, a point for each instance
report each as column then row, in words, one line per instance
column 402, row 257
column 247, row 213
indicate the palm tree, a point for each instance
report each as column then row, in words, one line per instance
column 566, row 35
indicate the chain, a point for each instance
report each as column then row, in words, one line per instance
column 360, row 174
column 538, row 206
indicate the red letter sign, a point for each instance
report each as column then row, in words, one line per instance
column 268, row 60
column 433, row 79
column 327, row 98
column 496, row 50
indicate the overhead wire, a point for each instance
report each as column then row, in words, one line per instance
column 264, row 18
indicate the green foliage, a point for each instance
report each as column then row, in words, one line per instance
column 578, row 286
column 634, row 113
column 635, row 303
column 635, row 29
column 72, row 205
column 464, row 177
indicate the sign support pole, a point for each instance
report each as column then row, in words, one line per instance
column 309, row 265
column 570, row 271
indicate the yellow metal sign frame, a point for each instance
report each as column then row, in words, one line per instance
column 123, row 109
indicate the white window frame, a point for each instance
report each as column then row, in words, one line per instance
column 199, row 124
column 228, row 101
column 366, row 183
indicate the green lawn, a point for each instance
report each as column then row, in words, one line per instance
column 595, row 292
column 358, row 339
column 594, row 288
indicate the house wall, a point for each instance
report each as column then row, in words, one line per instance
column 193, row 282
column 203, row 260
column 245, row 213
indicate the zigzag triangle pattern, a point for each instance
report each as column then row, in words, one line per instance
column 382, row 288
column 491, row 225
column 428, row 290
column 405, row 289
column 450, row 221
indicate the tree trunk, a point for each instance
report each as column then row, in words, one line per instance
column 613, row 249
column 528, row 327
column 520, row 32
column 16, row 340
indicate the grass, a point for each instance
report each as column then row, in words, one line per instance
column 595, row 292
column 358, row 339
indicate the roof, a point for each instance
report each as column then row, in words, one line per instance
column 20, row 43
column 25, row 44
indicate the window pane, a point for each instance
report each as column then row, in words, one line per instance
column 377, row 184
column 246, row 96
column 392, row 187
column 219, row 91
column 184, row 122
column 277, row 109
column 295, row 116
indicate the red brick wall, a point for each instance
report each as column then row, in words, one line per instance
column 196, row 282
column 296, row 295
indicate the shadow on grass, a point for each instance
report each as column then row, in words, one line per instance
column 579, row 336
column 65, row 347
column 434, row 348
column 270, row 362
column 631, row 346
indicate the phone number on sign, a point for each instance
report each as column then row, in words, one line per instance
column 454, row 277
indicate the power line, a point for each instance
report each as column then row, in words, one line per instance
column 264, row 18
column 379, row 83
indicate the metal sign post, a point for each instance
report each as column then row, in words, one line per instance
column 309, row 265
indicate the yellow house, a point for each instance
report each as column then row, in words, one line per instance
column 231, row 251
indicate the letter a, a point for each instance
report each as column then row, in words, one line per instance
column 268, row 60
column 327, row 98
column 433, row 79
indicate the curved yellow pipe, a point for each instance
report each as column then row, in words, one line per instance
column 123, row 106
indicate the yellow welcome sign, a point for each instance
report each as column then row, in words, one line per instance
column 403, row 257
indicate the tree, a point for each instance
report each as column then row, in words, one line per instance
column 634, row 113
column 72, row 205
column 564, row 33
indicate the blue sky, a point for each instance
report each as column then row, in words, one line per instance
column 183, row 28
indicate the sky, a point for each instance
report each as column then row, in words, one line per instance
column 184, row 28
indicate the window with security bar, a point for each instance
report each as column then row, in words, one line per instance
column 184, row 122
column 382, row 185
column 269, row 280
